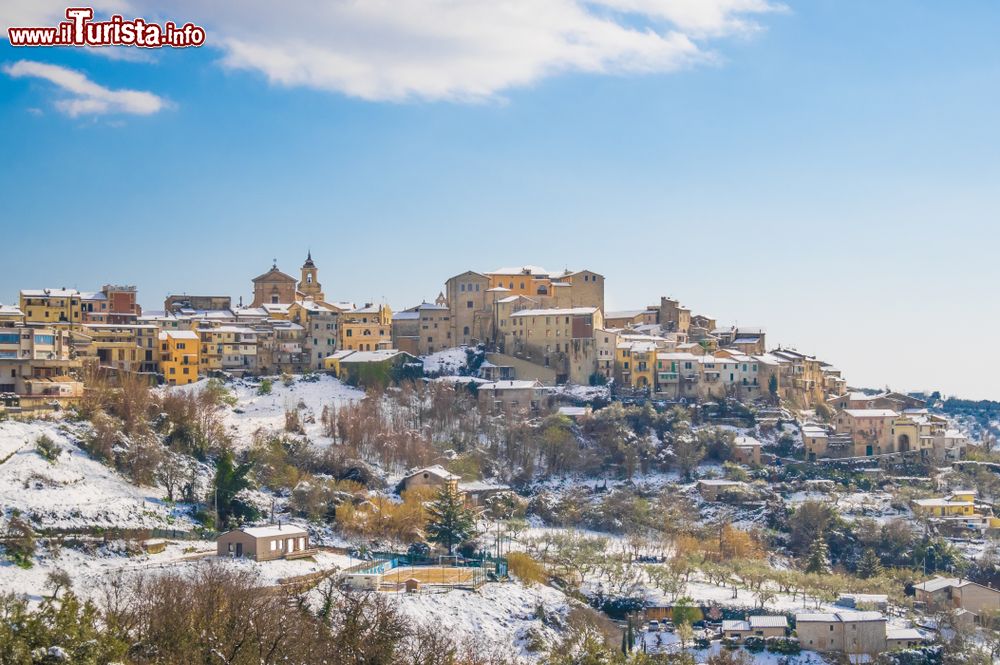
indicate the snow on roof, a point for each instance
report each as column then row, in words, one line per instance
column 903, row 634
column 56, row 293
column 371, row 356
column 10, row 309
column 179, row 334
column 568, row 311
column 273, row 530
column 839, row 617
column 938, row 583
column 769, row 621
column 497, row 289
column 435, row 470
column 624, row 314
column 734, row 626
column 406, row 315
column 510, row 385
column 746, row 441
column 481, row 486
column 677, row 356
column 871, row 413
column 713, row 482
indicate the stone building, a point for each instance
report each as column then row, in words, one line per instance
column 274, row 288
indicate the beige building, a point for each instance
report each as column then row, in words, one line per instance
column 265, row 543
column 37, row 366
column 746, row 450
column 274, row 288
column 432, row 477
column 423, row 329
column 871, row 430
column 562, row 339
column 842, row 632
column 956, row 593
column 472, row 297
column 320, row 323
column 514, row 395
column 124, row 347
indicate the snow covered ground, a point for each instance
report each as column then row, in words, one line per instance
column 74, row 491
column 266, row 413
column 89, row 571
column 498, row 613
column 446, row 361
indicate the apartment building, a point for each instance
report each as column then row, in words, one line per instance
column 870, row 429
column 367, row 328
column 37, row 366
column 123, row 347
column 560, row 338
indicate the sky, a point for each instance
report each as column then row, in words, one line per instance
column 826, row 169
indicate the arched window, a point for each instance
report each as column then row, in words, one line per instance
column 465, row 330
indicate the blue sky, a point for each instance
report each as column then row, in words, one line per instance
column 826, row 169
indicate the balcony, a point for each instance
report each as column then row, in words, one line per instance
column 668, row 377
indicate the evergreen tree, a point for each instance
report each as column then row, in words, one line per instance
column 869, row 565
column 772, row 386
column 818, row 560
column 230, row 480
column 449, row 522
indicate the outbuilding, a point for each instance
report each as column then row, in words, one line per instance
column 265, row 543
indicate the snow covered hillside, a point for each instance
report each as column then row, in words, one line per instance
column 254, row 412
column 73, row 491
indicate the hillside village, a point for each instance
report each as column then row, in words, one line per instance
column 556, row 482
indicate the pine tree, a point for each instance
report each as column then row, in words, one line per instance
column 449, row 522
column 818, row 560
column 869, row 565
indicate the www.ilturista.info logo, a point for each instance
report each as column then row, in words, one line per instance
column 81, row 30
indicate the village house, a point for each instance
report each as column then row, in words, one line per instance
column 870, row 429
column 434, row 477
column 842, row 632
column 515, row 395
column 957, row 593
column 265, row 543
column 764, row 626
column 746, row 450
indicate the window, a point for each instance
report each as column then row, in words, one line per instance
column 461, row 287
column 465, row 330
column 468, row 304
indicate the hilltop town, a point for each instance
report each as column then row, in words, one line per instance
column 554, row 480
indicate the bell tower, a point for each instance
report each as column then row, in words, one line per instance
column 309, row 286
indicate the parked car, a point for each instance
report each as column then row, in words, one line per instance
column 654, row 626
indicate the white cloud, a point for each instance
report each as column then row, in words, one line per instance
column 397, row 50
column 85, row 96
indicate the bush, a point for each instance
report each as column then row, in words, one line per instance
column 48, row 448
column 265, row 387
column 525, row 568
column 784, row 645
column 754, row 644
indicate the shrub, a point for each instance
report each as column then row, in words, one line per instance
column 784, row 645
column 754, row 644
column 265, row 387
column 526, row 569
column 48, row 448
